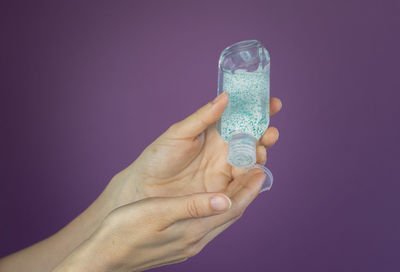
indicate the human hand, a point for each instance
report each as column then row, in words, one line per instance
column 189, row 157
column 163, row 230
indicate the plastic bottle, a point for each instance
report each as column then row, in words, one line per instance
column 244, row 73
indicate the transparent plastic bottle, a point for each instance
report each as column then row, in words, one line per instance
column 244, row 73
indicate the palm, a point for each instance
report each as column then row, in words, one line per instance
column 183, row 166
column 192, row 158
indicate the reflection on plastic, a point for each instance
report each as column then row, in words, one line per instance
column 269, row 179
column 244, row 73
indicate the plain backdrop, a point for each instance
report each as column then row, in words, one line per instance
column 87, row 85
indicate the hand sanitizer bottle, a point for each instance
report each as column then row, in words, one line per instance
column 244, row 72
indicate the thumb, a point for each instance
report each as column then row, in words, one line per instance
column 193, row 206
column 195, row 124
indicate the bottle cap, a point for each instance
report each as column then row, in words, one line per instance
column 269, row 178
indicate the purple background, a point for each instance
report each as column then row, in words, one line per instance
column 85, row 87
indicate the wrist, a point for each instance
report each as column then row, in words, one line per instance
column 85, row 257
column 122, row 189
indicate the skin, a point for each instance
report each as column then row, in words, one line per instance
column 166, row 229
column 189, row 157
column 187, row 160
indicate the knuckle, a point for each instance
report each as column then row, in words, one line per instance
column 237, row 213
column 239, row 216
column 173, row 127
column 192, row 208
column 193, row 238
column 180, row 259
column 201, row 233
column 198, row 116
column 191, row 251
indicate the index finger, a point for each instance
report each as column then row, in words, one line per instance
column 242, row 191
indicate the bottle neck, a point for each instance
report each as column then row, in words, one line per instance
column 242, row 150
column 242, row 154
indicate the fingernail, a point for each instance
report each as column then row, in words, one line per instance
column 220, row 203
column 218, row 98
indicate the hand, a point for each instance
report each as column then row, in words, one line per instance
column 162, row 230
column 190, row 157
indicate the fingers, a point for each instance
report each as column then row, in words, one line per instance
column 191, row 206
column 270, row 137
column 196, row 123
column 250, row 185
column 275, row 105
column 242, row 191
column 261, row 154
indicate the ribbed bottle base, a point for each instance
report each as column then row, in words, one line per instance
column 242, row 150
